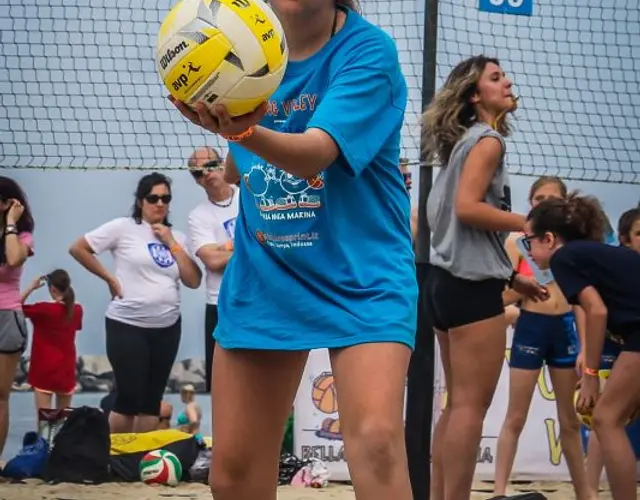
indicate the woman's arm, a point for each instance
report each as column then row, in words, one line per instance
column 190, row 273
column 595, row 326
column 16, row 249
column 84, row 254
column 194, row 416
column 475, row 179
column 510, row 296
column 33, row 286
column 303, row 155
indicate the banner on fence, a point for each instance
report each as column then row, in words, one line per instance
column 317, row 424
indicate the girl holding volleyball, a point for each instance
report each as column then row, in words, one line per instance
column 629, row 236
column 566, row 237
column 469, row 214
column 545, row 332
column 333, row 267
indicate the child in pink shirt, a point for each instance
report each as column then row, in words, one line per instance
column 16, row 245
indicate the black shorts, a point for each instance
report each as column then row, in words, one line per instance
column 142, row 359
column 453, row 302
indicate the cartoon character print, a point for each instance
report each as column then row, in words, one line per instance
column 160, row 254
column 275, row 189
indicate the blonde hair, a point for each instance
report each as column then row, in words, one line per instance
column 451, row 111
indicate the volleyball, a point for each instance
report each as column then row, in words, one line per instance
column 323, row 394
column 160, row 467
column 230, row 52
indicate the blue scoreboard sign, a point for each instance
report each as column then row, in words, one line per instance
column 516, row 7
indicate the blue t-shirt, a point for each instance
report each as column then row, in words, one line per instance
column 327, row 262
column 612, row 270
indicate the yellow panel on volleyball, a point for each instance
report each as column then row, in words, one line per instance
column 197, row 66
column 263, row 30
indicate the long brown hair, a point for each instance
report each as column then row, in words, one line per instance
column 61, row 281
column 451, row 111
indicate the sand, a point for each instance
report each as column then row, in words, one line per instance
column 36, row 490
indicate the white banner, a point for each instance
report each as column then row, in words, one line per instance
column 317, row 424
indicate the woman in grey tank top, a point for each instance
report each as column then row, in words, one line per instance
column 469, row 215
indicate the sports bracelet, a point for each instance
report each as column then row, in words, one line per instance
column 228, row 246
column 239, row 137
column 175, row 248
column 591, row 372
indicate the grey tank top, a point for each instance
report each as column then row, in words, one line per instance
column 468, row 252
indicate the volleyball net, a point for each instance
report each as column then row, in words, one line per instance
column 80, row 89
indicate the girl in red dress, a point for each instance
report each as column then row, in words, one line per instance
column 53, row 350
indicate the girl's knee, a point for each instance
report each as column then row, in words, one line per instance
column 515, row 423
column 604, row 418
column 231, row 471
column 569, row 423
column 375, row 444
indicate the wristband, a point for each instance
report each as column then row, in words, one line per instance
column 239, row 137
column 228, row 246
column 512, row 278
column 175, row 248
column 11, row 229
column 591, row 372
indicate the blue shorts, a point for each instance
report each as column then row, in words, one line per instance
column 540, row 338
column 610, row 352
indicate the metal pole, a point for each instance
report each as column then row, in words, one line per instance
column 421, row 367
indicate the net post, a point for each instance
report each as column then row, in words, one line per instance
column 420, row 379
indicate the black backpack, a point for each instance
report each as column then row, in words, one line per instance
column 81, row 449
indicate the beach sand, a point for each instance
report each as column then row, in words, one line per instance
column 36, row 490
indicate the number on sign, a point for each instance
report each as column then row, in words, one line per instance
column 516, row 7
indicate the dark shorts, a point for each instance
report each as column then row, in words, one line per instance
column 142, row 359
column 453, row 302
column 629, row 341
column 610, row 352
column 543, row 338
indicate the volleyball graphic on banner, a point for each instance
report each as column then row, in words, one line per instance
column 160, row 467
column 230, row 52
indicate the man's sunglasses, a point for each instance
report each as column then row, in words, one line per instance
column 155, row 198
column 210, row 166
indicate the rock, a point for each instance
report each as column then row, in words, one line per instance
column 94, row 374
column 188, row 371
column 21, row 387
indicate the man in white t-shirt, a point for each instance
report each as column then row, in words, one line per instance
column 211, row 232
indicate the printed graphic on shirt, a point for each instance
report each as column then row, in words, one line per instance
column 282, row 196
column 230, row 227
column 160, row 254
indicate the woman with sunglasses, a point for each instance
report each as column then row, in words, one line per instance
column 143, row 323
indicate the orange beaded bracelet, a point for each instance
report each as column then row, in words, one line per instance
column 591, row 372
column 239, row 137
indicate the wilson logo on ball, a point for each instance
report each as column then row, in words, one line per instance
column 172, row 53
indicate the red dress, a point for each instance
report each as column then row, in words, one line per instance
column 53, row 349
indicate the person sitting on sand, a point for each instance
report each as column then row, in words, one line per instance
column 189, row 419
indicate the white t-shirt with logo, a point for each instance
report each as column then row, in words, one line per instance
column 211, row 224
column 147, row 272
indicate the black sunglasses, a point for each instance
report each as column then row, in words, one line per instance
column 155, row 198
column 209, row 166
